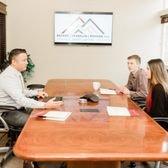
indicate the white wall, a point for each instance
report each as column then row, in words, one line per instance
column 136, row 30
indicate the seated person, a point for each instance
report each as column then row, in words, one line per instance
column 157, row 99
column 137, row 82
column 13, row 92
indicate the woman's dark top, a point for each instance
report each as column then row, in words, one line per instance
column 159, row 104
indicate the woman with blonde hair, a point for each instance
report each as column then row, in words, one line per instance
column 157, row 99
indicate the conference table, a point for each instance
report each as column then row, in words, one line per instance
column 91, row 139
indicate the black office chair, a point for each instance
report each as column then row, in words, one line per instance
column 29, row 164
column 163, row 121
column 4, row 129
column 9, row 132
column 35, row 86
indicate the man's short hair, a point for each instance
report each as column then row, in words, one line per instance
column 14, row 53
column 137, row 58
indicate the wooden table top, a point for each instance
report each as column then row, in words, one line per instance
column 90, row 135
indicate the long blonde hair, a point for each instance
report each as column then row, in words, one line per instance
column 159, row 74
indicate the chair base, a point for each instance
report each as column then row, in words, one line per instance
column 29, row 164
column 132, row 164
column 7, row 155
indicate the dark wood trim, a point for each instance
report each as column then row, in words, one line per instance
column 3, row 8
column 2, row 34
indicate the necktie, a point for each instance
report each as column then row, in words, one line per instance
column 22, row 82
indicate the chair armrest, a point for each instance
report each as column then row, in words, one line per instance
column 5, row 125
column 141, row 101
column 161, row 119
column 4, row 107
column 138, row 98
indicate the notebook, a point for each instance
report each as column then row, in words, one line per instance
column 107, row 91
column 56, row 115
column 117, row 111
column 121, row 111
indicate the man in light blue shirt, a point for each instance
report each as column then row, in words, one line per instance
column 14, row 93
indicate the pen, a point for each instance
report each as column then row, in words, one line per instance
column 52, row 118
column 48, row 118
column 43, row 117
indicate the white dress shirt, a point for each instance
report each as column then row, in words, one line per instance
column 13, row 92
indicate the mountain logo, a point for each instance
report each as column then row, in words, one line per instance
column 81, row 27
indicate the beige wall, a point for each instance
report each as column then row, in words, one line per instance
column 3, row 1
column 136, row 30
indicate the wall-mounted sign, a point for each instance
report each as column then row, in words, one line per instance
column 83, row 28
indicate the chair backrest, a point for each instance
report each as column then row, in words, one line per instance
column 35, row 86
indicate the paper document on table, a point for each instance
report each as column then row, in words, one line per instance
column 56, row 115
column 107, row 91
column 117, row 111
